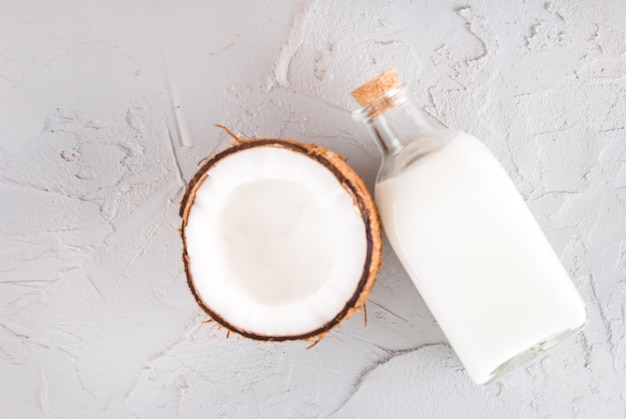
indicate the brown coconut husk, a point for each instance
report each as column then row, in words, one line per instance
column 348, row 179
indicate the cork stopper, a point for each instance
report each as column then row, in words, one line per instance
column 372, row 92
column 376, row 87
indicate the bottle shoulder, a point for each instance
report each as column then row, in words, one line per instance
column 416, row 152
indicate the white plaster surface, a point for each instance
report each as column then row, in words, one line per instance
column 107, row 107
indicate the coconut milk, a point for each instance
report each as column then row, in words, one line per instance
column 478, row 258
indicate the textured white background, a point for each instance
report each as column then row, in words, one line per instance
column 106, row 108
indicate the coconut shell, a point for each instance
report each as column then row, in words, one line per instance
column 362, row 200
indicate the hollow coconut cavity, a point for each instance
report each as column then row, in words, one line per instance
column 281, row 239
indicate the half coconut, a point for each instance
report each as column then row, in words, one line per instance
column 282, row 239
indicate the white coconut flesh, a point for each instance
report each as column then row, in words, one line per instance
column 275, row 244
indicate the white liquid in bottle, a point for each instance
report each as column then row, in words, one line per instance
column 466, row 237
column 478, row 258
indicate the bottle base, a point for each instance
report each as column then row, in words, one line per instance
column 518, row 360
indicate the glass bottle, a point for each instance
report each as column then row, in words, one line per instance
column 466, row 238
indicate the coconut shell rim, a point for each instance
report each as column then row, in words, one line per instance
column 349, row 180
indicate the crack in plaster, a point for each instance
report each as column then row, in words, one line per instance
column 44, row 401
column 95, row 400
column 397, row 316
column 141, row 249
column 280, row 73
column 362, row 377
column 179, row 172
column 467, row 14
column 605, row 321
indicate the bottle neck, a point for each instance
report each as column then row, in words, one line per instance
column 395, row 122
column 402, row 132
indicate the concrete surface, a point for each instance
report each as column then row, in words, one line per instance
column 107, row 107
